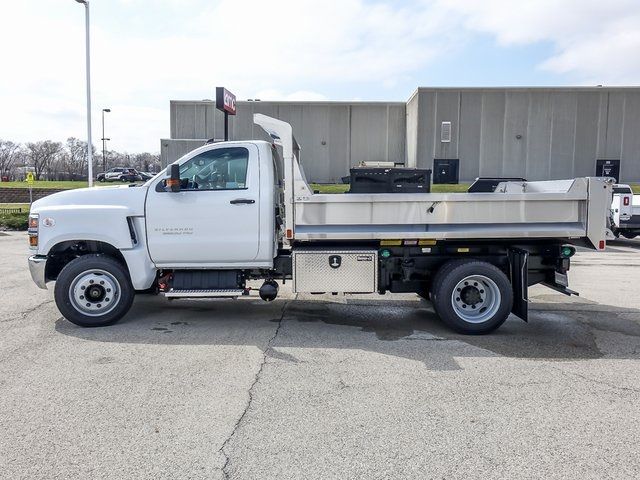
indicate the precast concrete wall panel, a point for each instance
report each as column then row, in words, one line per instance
column 614, row 127
column 447, row 109
column 470, row 130
column 563, row 131
column 412, row 130
column 426, row 130
column 586, row 137
column 314, row 128
column 338, row 143
column 492, row 133
column 630, row 157
column 538, row 136
column 514, row 147
column 396, row 137
column 368, row 133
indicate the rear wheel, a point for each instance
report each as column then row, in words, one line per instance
column 471, row 296
column 94, row 291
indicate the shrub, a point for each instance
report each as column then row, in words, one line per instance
column 14, row 221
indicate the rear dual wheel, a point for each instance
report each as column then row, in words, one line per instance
column 471, row 296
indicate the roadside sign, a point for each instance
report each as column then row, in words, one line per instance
column 225, row 101
column 30, row 180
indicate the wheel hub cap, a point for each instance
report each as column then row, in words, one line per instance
column 94, row 293
column 476, row 299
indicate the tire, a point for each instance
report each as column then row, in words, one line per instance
column 101, row 179
column 106, row 280
column 476, row 307
column 629, row 235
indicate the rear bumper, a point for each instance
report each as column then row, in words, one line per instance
column 631, row 223
column 37, row 266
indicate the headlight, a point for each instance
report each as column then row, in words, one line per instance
column 34, row 220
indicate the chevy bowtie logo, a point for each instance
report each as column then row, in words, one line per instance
column 335, row 261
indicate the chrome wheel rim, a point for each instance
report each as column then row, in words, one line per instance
column 94, row 293
column 476, row 299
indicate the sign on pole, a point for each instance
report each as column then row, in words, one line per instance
column 225, row 102
column 30, row 180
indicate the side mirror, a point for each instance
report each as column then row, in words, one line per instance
column 173, row 182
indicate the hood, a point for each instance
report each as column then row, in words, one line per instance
column 132, row 198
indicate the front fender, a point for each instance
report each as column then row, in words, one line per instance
column 106, row 224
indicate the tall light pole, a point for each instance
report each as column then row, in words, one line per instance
column 88, row 52
column 104, row 141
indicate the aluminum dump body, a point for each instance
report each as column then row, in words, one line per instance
column 564, row 209
column 539, row 210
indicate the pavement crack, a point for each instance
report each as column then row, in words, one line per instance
column 598, row 382
column 256, row 379
column 22, row 315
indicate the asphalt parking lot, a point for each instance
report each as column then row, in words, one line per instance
column 323, row 388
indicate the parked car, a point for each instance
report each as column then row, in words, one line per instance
column 130, row 175
column 119, row 174
column 146, row 175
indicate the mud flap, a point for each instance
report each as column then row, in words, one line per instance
column 519, row 271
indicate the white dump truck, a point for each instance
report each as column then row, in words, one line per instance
column 231, row 212
column 625, row 212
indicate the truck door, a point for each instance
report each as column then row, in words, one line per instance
column 214, row 219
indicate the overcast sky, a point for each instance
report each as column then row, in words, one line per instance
column 147, row 52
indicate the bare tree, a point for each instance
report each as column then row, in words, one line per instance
column 147, row 162
column 74, row 160
column 42, row 155
column 9, row 153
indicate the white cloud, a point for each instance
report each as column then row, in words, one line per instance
column 145, row 53
column 164, row 50
column 594, row 41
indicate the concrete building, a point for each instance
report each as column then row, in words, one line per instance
column 460, row 133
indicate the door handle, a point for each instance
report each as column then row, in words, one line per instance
column 239, row 201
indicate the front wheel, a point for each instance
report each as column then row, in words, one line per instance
column 94, row 291
column 471, row 296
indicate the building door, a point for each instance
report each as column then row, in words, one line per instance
column 608, row 168
column 445, row 170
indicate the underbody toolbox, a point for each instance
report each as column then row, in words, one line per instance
column 345, row 271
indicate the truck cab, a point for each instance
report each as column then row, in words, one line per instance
column 222, row 214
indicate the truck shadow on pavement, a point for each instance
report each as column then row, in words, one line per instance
column 615, row 245
column 406, row 329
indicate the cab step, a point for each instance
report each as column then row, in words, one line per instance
column 208, row 293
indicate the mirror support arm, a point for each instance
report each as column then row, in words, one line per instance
column 173, row 182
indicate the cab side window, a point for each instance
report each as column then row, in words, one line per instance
column 218, row 169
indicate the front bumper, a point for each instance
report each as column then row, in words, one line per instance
column 37, row 266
